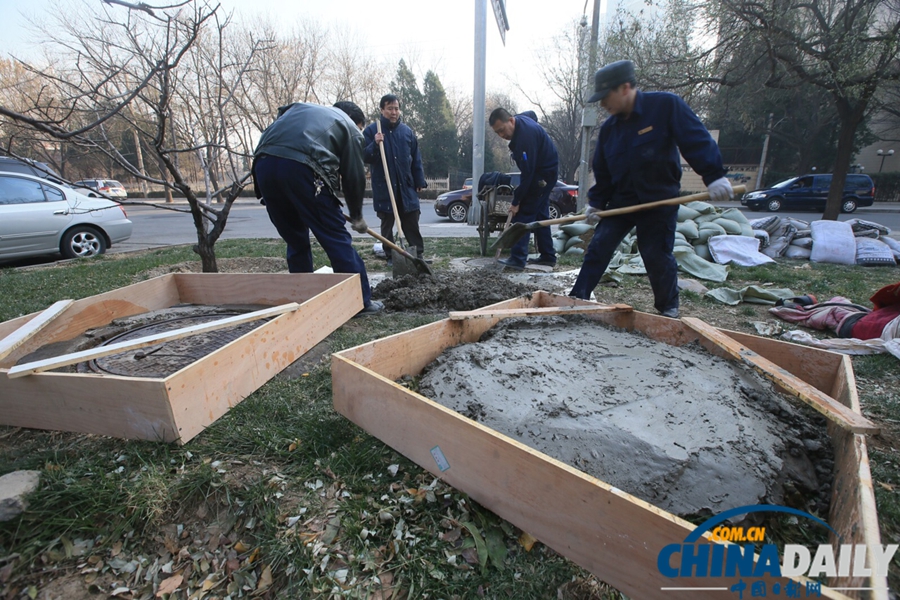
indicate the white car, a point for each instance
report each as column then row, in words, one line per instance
column 39, row 217
column 107, row 187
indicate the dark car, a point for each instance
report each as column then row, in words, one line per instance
column 810, row 192
column 455, row 205
column 9, row 164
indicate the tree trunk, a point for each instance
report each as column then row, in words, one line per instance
column 851, row 116
column 205, row 246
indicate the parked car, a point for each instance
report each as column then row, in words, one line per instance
column 467, row 184
column 455, row 205
column 810, row 192
column 38, row 217
column 9, row 164
column 107, row 187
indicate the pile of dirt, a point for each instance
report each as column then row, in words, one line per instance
column 449, row 290
column 689, row 432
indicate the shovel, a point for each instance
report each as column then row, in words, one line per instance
column 515, row 232
column 398, row 261
column 417, row 264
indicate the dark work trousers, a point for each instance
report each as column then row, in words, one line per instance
column 409, row 221
column 289, row 189
column 534, row 208
column 655, row 238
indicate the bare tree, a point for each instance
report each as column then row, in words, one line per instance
column 847, row 48
column 163, row 72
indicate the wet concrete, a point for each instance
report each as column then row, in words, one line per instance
column 684, row 430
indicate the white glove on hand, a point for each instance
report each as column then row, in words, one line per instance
column 359, row 225
column 591, row 216
column 720, row 190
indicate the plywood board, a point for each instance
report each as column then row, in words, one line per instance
column 614, row 535
column 32, row 327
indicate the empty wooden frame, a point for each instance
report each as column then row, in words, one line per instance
column 612, row 534
column 177, row 407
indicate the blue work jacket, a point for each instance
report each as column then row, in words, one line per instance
column 404, row 166
column 636, row 160
column 535, row 154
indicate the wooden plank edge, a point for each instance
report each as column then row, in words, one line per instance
column 549, row 311
column 29, row 329
column 150, row 340
column 821, row 402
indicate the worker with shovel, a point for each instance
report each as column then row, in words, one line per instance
column 392, row 150
column 636, row 162
column 302, row 158
column 535, row 155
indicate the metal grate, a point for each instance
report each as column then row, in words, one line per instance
column 162, row 360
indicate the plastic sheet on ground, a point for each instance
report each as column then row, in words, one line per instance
column 752, row 294
column 850, row 346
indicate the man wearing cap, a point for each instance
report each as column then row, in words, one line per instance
column 637, row 161
column 535, row 154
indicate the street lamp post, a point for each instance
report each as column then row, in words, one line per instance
column 883, row 156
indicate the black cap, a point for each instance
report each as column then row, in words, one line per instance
column 610, row 77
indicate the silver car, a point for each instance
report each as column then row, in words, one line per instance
column 40, row 217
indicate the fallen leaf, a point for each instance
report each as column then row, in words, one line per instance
column 240, row 547
column 119, row 591
column 452, row 535
column 168, row 586
column 527, row 540
column 886, row 486
column 265, row 579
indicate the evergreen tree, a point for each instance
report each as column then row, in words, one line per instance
column 437, row 133
column 405, row 87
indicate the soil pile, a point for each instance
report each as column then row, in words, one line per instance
column 675, row 426
column 448, row 290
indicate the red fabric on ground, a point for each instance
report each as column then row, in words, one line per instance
column 889, row 295
column 870, row 326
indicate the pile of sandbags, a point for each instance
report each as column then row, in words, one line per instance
column 572, row 239
column 851, row 242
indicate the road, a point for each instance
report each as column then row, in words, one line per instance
column 155, row 227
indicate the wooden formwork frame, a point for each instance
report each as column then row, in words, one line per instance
column 611, row 533
column 181, row 405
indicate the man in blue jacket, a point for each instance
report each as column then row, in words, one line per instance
column 302, row 159
column 636, row 161
column 405, row 171
column 535, row 154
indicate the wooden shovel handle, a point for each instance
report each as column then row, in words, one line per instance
column 738, row 189
column 387, row 179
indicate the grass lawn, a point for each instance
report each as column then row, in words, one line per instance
column 284, row 498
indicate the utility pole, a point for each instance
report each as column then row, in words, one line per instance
column 589, row 114
column 478, row 108
column 765, row 151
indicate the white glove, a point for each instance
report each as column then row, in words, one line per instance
column 359, row 225
column 591, row 216
column 720, row 190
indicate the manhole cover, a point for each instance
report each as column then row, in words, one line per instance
column 161, row 360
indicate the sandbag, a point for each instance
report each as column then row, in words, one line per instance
column 763, row 236
column 688, row 229
column 706, row 218
column 858, row 225
column 730, row 227
column 872, row 253
column 708, row 230
column 559, row 245
column 748, row 231
column 573, row 251
column 572, row 241
column 797, row 252
column 702, row 207
column 684, row 242
column 737, row 249
column 833, row 242
column 769, row 224
column 686, row 213
column 779, row 241
column 734, row 214
column 802, row 242
column 702, row 250
column 576, row 228
column 893, row 244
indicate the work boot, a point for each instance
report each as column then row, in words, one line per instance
column 671, row 313
column 544, row 262
column 509, row 264
column 373, row 308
